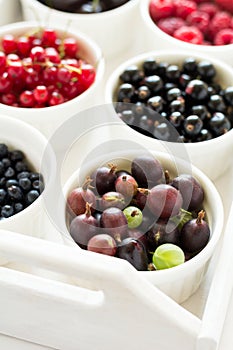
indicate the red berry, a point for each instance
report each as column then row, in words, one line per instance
column 15, row 69
column 8, row 99
column 50, row 75
column 183, row 8
column 63, row 75
column 37, row 54
column 87, row 76
column 26, row 99
column 169, row 25
column 161, row 9
column 49, row 37
column 52, row 55
column 189, row 34
column 224, row 37
column 9, row 44
column 41, row 94
column 2, row 61
column 24, row 46
column 56, row 99
column 226, row 4
column 5, row 83
column 12, row 57
column 70, row 47
column 208, row 7
column 71, row 62
column 221, row 20
column 199, row 19
column 32, row 78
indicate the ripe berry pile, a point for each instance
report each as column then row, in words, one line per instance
column 175, row 103
column 20, row 186
column 195, row 21
column 141, row 215
column 41, row 69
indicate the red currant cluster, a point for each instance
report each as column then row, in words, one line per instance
column 195, row 21
column 41, row 69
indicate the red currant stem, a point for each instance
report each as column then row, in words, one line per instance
column 112, row 167
column 200, row 216
column 88, row 209
column 167, row 177
column 144, row 191
column 61, row 47
column 87, row 183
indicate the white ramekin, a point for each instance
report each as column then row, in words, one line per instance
column 155, row 38
column 109, row 29
column 183, row 280
column 48, row 119
column 213, row 156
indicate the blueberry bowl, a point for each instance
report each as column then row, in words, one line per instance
column 163, row 115
column 178, row 282
column 27, row 165
column 47, row 74
column 176, row 33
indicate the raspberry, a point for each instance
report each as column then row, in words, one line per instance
column 209, row 8
column 184, row 7
column 189, row 34
column 220, row 21
column 226, row 4
column 224, row 37
column 170, row 25
column 199, row 19
column 161, row 9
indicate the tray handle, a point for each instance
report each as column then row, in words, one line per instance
column 219, row 295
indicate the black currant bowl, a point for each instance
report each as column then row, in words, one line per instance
column 211, row 156
column 109, row 29
column 155, row 37
column 40, row 158
column 178, row 282
column 47, row 119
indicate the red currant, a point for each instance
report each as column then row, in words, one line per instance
column 70, row 47
column 2, row 61
column 87, row 76
column 63, row 75
column 15, row 69
column 37, row 54
column 32, row 78
column 49, row 37
column 24, row 46
column 8, row 99
column 5, row 83
column 56, row 99
column 50, row 75
column 41, row 94
column 27, row 99
column 9, row 44
column 52, row 55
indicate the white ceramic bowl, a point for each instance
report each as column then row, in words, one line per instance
column 48, row 119
column 181, row 281
column 213, row 156
column 19, row 135
column 155, row 38
column 112, row 30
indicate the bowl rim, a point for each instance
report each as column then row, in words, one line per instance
column 144, row 10
column 162, row 54
column 197, row 261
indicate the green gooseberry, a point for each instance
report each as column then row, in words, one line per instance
column 168, row 255
column 134, row 216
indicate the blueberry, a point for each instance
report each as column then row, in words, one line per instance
column 173, row 72
column 2, row 168
column 23, row 174
column 3, row 195
column 7, row 211
column 162, row 132
column 156, row 103
column 31, row 196
column 21, row 166
column 127, row 117
column 217, row 104
column 197, row 90
column 228, row 95
column 201, row 111
column 150, row 66
column 154, row 83
column 219, row 123
column 15, row 193
column 132, row 75
column 16, row 155
column 193, row 125
column 143, row 93
column 25, row 183
column 18, row 207
column 206, row 70
column 126, row 93
column 3, row 150
column 173, row 94
column 11, row 182
column 9, row 173
column 6, row 162
column 204, row 135
column 190, row 66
